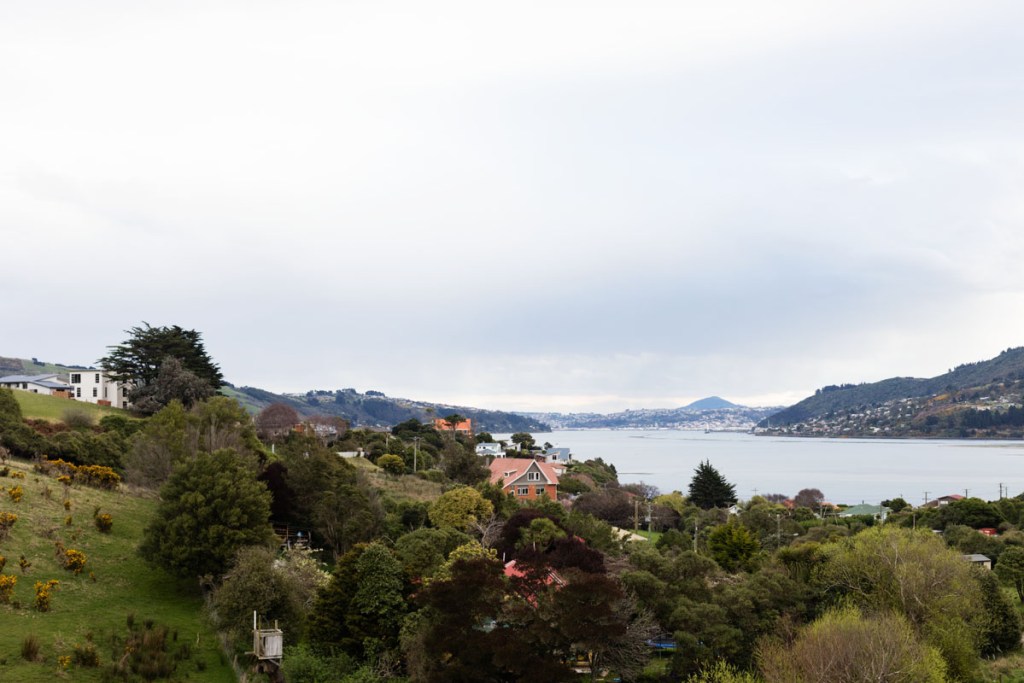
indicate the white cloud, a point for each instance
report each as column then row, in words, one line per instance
column 553, row 202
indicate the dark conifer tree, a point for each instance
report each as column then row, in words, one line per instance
column 709, row 489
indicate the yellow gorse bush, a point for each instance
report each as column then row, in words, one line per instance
column 91, row 475
column 7, row 584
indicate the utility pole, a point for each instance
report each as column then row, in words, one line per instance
column 694, row 534
column 925, row 497
column 636, row 515
column 778, row 530
column 415, row 451
column 967, row 493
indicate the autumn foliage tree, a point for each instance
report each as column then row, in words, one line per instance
column 276, row 420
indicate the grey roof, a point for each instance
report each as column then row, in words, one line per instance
column 977, row 558
column 42, row 380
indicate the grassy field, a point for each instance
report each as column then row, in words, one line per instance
column 115, row 587
column 42, row 407
column 405, row 487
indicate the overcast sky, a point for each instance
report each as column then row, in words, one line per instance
column 531, row 205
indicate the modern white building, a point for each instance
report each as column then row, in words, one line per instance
column 493, row 450
column 94, row 386
column 37, row 384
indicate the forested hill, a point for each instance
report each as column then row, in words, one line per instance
column 374, row 409
column 982, row 385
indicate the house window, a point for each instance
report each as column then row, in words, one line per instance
column 533, row 476
column 124, row 404
column 97, row 378
column 522, row 490
column 124, row 391
column 539, row 490
column 78, row 392
column 104, row 392
column 94, row 392
column 76, row 378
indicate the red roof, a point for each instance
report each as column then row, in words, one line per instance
column 511, row 469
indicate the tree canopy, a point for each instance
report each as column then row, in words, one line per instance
column 141, row 358
column 211, row 506
column 709, row 489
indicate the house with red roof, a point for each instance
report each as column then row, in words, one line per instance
column 463, row 427
column 525, row 478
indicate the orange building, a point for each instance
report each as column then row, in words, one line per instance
column 464, row 427
column 524, row 478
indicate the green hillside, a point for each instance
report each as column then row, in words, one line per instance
column 93, row 610
column 374, row 409
column 52, row 408
column 997, row 378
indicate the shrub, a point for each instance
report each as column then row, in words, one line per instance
column 73, row 560
column 24, row 564
column 76, row 418
column 7, row 584
column 5, row 471
column 98, row 476
column 85, row 655
column 104, row 522
column 42, row 599
column 30, row 648
column 7, row 520
column 3, row 562
column 15, row 492
column 15, row 474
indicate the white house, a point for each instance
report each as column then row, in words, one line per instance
column 490, row 450
column 562, row 455
column 37, row 384
column 94, row 386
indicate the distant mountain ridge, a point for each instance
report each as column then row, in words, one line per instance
column 712, row 413
column 911, row 404
column 372, row 409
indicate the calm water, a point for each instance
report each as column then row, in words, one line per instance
column 846, row 470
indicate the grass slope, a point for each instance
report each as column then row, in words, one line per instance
column 52, row 408
column 84, row 608
column 405, row 487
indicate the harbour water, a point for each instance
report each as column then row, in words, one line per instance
column 845, row 470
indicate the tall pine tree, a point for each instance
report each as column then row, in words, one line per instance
column 709, row 489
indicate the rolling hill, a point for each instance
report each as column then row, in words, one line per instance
column 903, row 405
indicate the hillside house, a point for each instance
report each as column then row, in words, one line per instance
column 982, row 561
column 562, row 455
column 464, row 427
column 47, row 385
column 524, row 478
column 490, row 450
column 943, row 500
column 95, row 386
